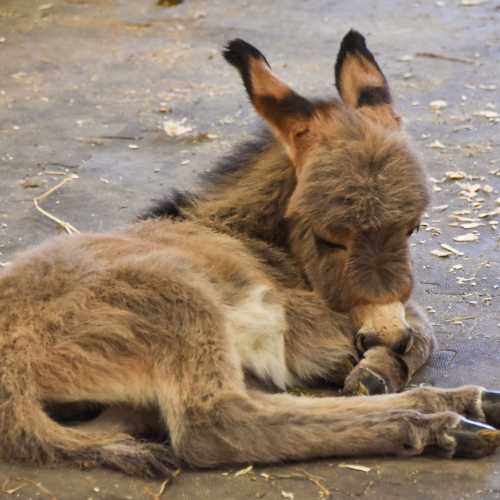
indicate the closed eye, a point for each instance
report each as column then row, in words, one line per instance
column 328, row 246
column 415, row 229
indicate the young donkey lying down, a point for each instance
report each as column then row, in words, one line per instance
column 292, row 266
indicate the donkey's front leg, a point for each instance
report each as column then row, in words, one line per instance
column 319, row 342
column 383, row 371
column 257, row 428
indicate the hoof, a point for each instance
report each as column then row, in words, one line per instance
column 491, row 407
column 475, row 439
column 365, row 382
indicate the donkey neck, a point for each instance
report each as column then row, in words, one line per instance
column 248, row 193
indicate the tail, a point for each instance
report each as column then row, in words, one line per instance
column 28, row 434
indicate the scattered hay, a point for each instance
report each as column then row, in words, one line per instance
column 36, row 201
column 163, row 487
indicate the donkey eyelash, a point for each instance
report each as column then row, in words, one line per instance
column 325, row 245
column 415, row 229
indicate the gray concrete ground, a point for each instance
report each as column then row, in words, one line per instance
column 85, row 86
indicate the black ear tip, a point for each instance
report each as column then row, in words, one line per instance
column 353, row 41
column 237, row 52
column 233, row 46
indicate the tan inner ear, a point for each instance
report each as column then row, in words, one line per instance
column 290, row 129
column 358, row 73
column 264, row 83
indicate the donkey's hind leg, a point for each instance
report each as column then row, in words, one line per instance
column 382, row 371
column 30, row 435
column 138, row 422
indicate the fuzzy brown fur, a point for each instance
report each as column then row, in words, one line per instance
column 292, row 268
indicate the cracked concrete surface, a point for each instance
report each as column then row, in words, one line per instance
column 85, row 86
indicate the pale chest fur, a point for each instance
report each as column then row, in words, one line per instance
column 257, row 326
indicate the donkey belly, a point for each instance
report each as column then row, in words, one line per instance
column 257, row 326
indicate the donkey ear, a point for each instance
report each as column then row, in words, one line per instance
column 359, row 79
column 287, row 113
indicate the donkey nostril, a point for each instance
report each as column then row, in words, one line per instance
column 365, row 341
column 405, row 344
column 360, row 342
column 400, row 347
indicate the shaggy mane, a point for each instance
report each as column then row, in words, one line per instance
column 233, row 164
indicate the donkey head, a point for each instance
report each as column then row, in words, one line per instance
column 360, row 192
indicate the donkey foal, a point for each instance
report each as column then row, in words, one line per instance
column 291, row 265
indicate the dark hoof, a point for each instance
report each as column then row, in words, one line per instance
column 475, row 439
column 491, row 407
column 365, row 382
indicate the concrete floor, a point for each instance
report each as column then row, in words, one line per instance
column 85, row 86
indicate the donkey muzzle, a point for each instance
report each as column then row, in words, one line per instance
column 367, row 340
column 382, row 325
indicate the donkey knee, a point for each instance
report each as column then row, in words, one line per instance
column 465, row 400
column 214, row 436
column 200, row 447
column 427, row 399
